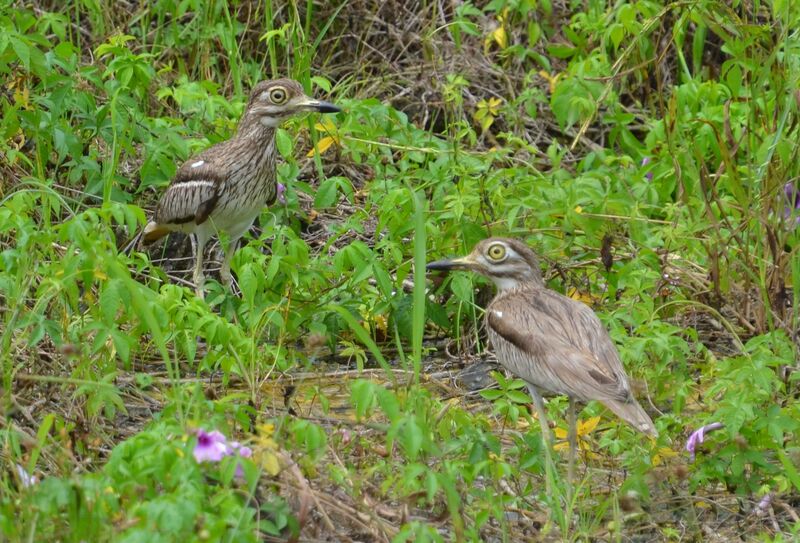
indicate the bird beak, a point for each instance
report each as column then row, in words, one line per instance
column 463, row 263
column 310, row 104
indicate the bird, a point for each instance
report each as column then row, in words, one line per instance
column 225, row 187
column 552, row 342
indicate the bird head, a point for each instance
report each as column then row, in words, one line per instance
column 507, row 262
column 272, row 102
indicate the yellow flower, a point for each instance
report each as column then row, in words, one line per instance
column 551, row 80
column 267, row 450
column 487, row 111
column 585, row 427
column 381, row 324
column 662, row 454
column 584, row 297
column 270, row 463
column 325, row 142
column 498, row 35
column 266, row 429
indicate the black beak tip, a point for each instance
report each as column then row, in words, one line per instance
column 327, row 107
column 439, row 265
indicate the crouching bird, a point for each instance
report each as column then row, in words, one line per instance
column 552, row 342
column 224, row 188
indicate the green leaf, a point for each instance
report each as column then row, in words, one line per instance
column 284, row 143
column 363, row 337
column 733, row 78
column 326, row 194
column 110, row 301
column 362, row 396
column 411, row 438
column 789, row 469
column 492, row 394
column 461, row 286
column 248, row 282
column 627, row 16
column 534, row 33
column 41, row 439
column 518, row 396
column 23, row 52
column 321, row 82
column 561, row 51
column 617, row 33
column 431, row 485
column 402, row 316
column 389, row 403
column 122, row 345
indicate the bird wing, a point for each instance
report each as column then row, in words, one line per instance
column 556, row 343
column 193, row 193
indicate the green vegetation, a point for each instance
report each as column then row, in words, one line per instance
column 647, row 149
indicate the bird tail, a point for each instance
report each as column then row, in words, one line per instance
column 154, row 232
column 632, row 413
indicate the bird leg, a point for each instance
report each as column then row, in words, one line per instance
column 547, row 437
column 538, row 403
column 198, row 246
column 225, row 269
column 572, row 437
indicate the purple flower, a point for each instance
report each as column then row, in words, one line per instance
column 763, row 506
column 698, row 436
column 243, row 452
column 645, row 162
column 214, row 446
column 26, row 479
column 211, row 446
column 281, row 190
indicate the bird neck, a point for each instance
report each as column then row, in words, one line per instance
column 251, row 127
column 527, row 280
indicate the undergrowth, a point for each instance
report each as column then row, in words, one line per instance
column 647, row 150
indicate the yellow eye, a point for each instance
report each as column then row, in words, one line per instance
column 277, row 96
column 497, row 252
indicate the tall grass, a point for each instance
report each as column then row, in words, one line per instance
column 669, row 128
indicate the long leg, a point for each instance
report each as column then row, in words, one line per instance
column 225, row 269
column 538, row 403
column 547, row 439
column 572, row 437
column 199, row 241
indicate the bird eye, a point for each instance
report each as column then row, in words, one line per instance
column 277, row 96
column 497, row 252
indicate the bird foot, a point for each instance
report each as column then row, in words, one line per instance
column 225, row 277
column 199, row 282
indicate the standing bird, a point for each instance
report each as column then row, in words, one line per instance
column 224, row 188
column 552, row 342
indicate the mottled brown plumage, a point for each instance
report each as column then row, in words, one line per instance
column 224, row 188
column 552, row 342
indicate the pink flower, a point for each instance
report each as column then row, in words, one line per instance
column 211, row 446
column 698, row 436
column 214, row 446
column 243, row 452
